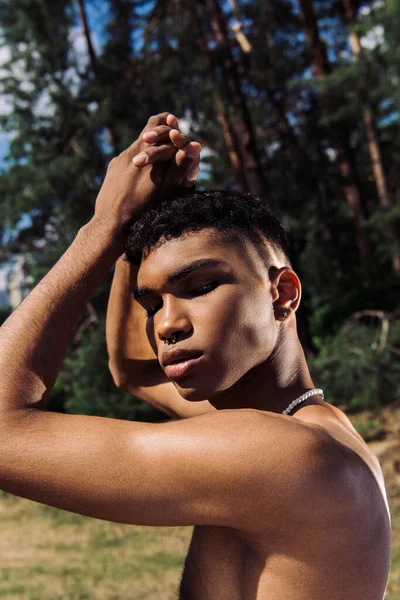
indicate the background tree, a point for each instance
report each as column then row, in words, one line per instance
column 278, row 97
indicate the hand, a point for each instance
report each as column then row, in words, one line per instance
column 156, row 165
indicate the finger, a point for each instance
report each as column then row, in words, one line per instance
column 154, row 154
column 172, row 121
column 152, row 123
column 178, row 139
column 186, row 162
column 189, row 154
column 155, row 120
column 158, row 134
column 191, row 178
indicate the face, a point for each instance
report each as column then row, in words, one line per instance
column 222, row 308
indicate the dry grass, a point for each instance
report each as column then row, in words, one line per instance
column 49, row 554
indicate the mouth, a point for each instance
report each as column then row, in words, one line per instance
column 181, row 368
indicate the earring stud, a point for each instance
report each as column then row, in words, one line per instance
column 284, row 313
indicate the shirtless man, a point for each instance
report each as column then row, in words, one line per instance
column 284, row 507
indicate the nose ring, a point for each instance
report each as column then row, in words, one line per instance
column 171, row 340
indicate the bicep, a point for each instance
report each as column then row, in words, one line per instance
column 202, row 471
column 230, row 468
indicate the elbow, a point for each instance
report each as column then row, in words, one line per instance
column 119, row 377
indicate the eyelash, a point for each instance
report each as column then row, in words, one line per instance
column 210, row 287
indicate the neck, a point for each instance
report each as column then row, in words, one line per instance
column 274, row 383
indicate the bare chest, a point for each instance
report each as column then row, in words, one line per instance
column 330, row 558
column 214, row 566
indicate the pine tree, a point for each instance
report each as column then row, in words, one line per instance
column 321, row 68
column 253, row 83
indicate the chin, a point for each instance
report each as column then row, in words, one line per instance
column 200, row 392
column 193, row 394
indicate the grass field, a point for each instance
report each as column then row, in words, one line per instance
column 48, row 554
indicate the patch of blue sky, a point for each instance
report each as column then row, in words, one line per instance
column 103, row 139
column 97, row 12
column 24, row 223
column 389, row 119
column 4, row 146
column 145, row 8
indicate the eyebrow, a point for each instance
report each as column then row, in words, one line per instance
column 141, row 292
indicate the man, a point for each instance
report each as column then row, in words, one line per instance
column 285, row 506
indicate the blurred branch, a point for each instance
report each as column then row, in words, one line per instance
column 384, row 319
column 92, row 54
column 76, row 147
column 91, row 319
column 237, row 29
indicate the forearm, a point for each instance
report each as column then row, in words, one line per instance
column 131, row 357
column 34, row 338
column 132, row 362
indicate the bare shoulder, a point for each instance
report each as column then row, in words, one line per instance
column 347, row 448
column 335, row 426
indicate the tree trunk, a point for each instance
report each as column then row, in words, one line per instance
column 237, row 28
column 370, row 129
column 92, row 54
column 369, row 121
column 228, row 131
column 321, row 67
column 237, row 108
column 230, row 141
column 247, row 50
column 376, row 157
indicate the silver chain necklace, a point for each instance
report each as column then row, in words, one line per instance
column 305, row 396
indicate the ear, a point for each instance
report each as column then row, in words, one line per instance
column 286, row 292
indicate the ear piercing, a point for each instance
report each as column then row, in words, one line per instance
column 284, row 313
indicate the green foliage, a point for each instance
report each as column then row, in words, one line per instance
column 358, row 369
column 369, row 429
column 87, row 385
column 70, row 111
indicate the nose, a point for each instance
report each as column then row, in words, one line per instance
column 173, row 320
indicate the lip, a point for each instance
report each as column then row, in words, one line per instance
column 178, row 354
column 185, row 362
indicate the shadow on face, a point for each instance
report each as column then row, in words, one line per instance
column 215, row 295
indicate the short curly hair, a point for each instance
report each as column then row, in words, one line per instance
column 231, row 214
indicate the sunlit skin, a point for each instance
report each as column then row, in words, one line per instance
column 252, row 355
column 283, row 507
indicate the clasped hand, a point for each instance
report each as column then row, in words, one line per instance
column 156, row 165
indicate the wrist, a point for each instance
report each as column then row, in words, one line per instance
column 110, row 236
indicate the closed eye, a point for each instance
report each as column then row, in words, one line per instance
column 201, row 291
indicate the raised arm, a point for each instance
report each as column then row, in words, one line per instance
column 133, row 364
column 180, row 473
column 130, row 354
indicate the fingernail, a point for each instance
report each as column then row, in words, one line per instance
column 140, row 159
column 150, row 136
column 192, row 151
column 176, row 122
